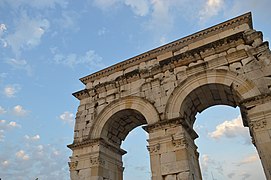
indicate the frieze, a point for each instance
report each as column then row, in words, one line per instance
column 256, row 125
column 183, row 59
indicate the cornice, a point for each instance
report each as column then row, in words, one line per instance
column 92, row 142
column 230, row 24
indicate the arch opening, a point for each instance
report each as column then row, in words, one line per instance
column 118, row 126
column 124, row 124
column 137, row 160
column 211, row 96
column 224, row 145
column 206, row 96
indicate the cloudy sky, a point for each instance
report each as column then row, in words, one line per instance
column 47, row 45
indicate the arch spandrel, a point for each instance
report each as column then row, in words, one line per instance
column 243, row 87
column 128, row 103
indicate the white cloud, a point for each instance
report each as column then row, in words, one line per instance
column 5, row 163
column 211, row 8
column 68, row 20
column 11, row 90
column 249, row 159
column 13, row 124
column 67, row 117
column 90, row 59
column 18, row 110
column 28, row 33
column 2, row 110
column 5, row 126
column 207, row 162
column 162, row 19
column 139, row 7
column 33, row 138
column 21, row 155
column 3, row 28
column 49, row 161
column 231, row 129
column 20, row 64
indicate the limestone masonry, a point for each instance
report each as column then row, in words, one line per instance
column 163, row 89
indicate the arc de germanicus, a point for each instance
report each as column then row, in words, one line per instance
column 163, row 89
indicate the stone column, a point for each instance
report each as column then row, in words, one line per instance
column 259, row 122
column 173, row 153
column 96, row 160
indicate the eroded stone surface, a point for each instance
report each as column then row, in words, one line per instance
column 164, row 89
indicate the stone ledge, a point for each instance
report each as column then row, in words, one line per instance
column 92, row 142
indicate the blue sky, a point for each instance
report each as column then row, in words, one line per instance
column 47, row 45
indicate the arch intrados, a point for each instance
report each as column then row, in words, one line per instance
column 207, row 96
column 133, row 103
column 242, row 86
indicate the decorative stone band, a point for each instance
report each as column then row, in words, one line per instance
column 153, row 148
column 182, row 59
column 171, row 123
column 93, row 142
column 260, row 99
column 97, row 161
column 256, row 125
column 180, row 142
column 73, row 165
column 230, row 24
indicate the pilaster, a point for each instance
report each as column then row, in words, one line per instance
column 173, row 153
column 96, row 160
column 259, row 122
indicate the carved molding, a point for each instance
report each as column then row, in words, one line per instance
column 180, row 143
column 73, row 165
column 97, row 161
column 153, row 148
column 260, row 99
column 260, row 124
column 183, row 59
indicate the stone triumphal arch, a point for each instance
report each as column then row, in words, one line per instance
column 163, row 89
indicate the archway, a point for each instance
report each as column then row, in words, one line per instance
column 227, row 64
column 224, row 145
column 137, row 160
column 113, row 125
column 195, row 94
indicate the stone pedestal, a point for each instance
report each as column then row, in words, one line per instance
column 173, row 153
column 96, row 160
